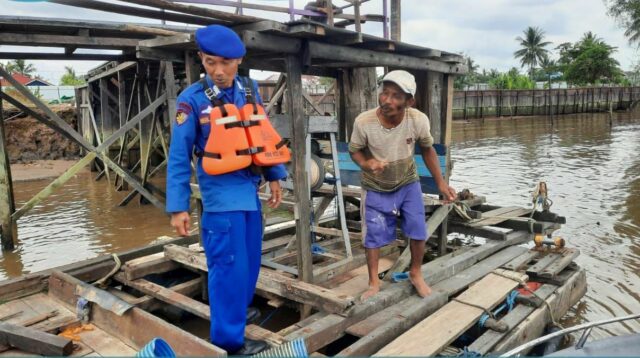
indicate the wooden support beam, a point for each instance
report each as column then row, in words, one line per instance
column 59, row 56
column 357, row 93
column 167, row 295
column 395, row 20
column 64, row 41
column 302, row 210
column 136, row 327
column 8, row 227
column 147, row 265
column 375, row 58
column 271, row 282
column 138, row 11
column 34, row 341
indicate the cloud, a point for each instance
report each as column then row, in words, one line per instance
column 485, row 30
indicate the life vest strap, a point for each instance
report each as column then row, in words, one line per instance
column 282, row 143
column 250, row 151
column 243, row 124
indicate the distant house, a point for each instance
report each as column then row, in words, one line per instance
column 24, row 80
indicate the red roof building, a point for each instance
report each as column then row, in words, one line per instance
column 24, row 80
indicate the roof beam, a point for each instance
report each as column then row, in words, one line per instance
column 66, row 41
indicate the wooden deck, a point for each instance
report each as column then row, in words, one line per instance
column 466, row 281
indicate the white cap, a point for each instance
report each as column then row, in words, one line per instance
column 403, row 79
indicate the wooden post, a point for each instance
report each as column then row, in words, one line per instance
column 8, row 230
column 299, row 125
column 517, row 101
column 356, row 14
column 396, row 15
column 357, row 94
column 329, row 7
column 464, row 106
column 192, row 67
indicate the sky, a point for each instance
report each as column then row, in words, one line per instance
column 483, row 29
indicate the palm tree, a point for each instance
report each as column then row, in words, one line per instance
column 22, row 67
column 548, row 66
column 533, row 48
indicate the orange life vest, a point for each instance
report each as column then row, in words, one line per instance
column 240, row 137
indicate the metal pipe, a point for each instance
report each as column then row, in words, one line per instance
column 539, row 340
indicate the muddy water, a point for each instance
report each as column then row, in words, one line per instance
column 592, row 167
column 79, row 221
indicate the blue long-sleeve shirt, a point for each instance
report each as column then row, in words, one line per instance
column 235, row 191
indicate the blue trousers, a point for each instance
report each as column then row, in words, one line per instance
column 233, row 245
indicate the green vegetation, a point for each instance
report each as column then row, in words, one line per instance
column 20, row 66
column 589, row 61
column 70, row 78
column 533, row 49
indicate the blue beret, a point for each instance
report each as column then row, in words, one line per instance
column 218, row 40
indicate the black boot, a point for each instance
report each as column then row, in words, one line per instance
column 253, row 315
column 251, row 347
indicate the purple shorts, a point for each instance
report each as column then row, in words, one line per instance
column 380, row 212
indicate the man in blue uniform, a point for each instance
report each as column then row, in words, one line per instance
column 232, row 219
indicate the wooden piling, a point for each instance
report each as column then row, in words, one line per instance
column 8, row 229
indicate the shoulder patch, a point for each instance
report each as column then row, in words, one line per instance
column 183, row 112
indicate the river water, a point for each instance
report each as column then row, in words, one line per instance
column 590, row 162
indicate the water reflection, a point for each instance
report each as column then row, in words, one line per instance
column 592, row 168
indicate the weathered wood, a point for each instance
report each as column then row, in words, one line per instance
column 485, row 232
column 137, row 11
column 378, row 58
column 156, row 263
column 357, row 87
column 568, row 254
column 128, row 326
column 533, row 326
column 253, row 331
column 166, row 295
column 331, row 327
column 8, row 227
column 395, row 20
column 189, row 289
column 274, row 283
column 433, row 223
column 449, row 322
column 299, row 128
column 543, row 262
column 520, row 261
column 33, row 341
column 497, row 216
column 490, row 338
column 63, row 41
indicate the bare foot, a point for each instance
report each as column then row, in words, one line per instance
column 369, row 293
column 421, row 286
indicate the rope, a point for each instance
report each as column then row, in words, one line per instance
column 509, row 304
column 467, row 353
column 523, row 285
column 102, row 283
column 486, row 311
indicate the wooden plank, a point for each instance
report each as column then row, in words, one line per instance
column 274, row 283
column 105, row 344
column 438, row 216
column 143, row 266
column 127, row 327
column 253, row 331
column 533, row 326
column 490, row 338
column 380, row 329
column 167, row 295
column 33, row 341
column 485, row 232
column 497, row 216
column 543, row 262
column 520, row 261
column 331, row 327
column 444, row 326
column 557, row 266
